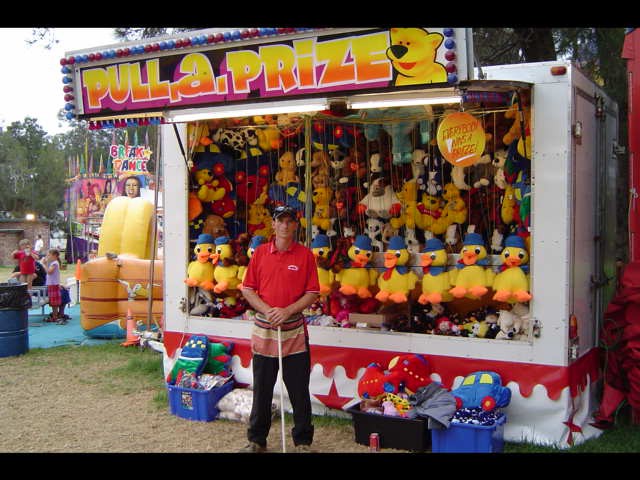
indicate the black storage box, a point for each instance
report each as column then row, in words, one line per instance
column 393, row 432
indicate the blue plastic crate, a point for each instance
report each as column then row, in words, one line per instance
column 197, row 405
column 469, row 438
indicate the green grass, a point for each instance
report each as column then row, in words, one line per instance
column 126, row 370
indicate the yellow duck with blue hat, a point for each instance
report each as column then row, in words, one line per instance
column 398, row 279
column 471, row 277
column 200, row 271
column 435, row 281
column 321, row 249
column 512, row 283
column 356, row 278
column 226, row 272
column 256, row 241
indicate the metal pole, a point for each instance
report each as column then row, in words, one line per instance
column 284, row 447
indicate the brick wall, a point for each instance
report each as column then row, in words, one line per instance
column 12, row 231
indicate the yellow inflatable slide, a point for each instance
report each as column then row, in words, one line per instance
column 118, row 280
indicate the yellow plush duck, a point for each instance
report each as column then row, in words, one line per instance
column 511, row 283
column 398, row 279
column 435, row 281
column 242, row 269
column 471, row 276
column 200, row 271
column 355, row 278
column 226, row 272
column 321, row 250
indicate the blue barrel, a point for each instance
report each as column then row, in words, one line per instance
column 14, row 319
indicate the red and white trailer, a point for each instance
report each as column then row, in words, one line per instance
column 207, row 75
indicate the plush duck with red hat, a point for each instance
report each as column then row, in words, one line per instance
column 356, row 277
column 512, row 283
column 398, row 279
column 435, row 281
column 471, row 277
column 321, row 249
column 200, row 271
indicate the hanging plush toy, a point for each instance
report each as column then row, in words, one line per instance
column 224, row 205
column 408, row 197
column 454, row 210
column 355, row 278
column 435, row 281
column 471, row 276
column 200, row 271
column 287, row 169
column 397, row 280
column 511, row 283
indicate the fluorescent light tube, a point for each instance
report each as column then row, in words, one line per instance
column 381, row 102
column 247, row 110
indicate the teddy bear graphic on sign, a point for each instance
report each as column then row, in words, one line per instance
column 413, row 54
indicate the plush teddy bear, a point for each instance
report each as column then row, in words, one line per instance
column 287, row 169
column 322, row 197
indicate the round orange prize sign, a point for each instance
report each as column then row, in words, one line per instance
column 461, row 139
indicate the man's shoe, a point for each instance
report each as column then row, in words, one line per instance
column 253, row 447
column 303, row 449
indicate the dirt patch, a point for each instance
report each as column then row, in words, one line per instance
column 64, row 401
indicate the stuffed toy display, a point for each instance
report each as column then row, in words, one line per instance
column 321, row 249
column 356, row 278
column 226, row 269
column 435, row 279
column 392, row 221
column 511, row 284
column 471, row 276
column 200, row 271
column 397, row 280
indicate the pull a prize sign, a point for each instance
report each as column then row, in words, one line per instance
column 369, row 60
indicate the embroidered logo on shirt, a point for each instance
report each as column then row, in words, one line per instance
column 293, row 268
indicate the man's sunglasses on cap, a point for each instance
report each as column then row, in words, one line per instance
column 283, row 210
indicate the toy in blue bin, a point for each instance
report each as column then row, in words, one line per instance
column 192, row 358
column 482, row 389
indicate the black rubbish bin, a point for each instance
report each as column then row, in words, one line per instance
column 15, row 303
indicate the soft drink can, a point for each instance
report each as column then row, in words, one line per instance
column 374, row 442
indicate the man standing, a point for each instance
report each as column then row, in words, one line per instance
column 38, row 246
column 281, row 281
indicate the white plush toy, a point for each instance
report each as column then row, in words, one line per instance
column 236, row 405
column 510, row 325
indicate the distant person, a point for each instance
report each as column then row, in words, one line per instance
column 26, row 261
column 52, row 264
column 38, row 246
column 132, row 186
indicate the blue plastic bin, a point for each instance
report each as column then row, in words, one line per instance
column 199, row 405
column 469, row 438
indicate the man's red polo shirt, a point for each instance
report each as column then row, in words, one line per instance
column 281, row 278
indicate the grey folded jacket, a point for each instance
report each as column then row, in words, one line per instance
column 434, row 403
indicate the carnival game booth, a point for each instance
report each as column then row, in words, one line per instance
column 402, row 163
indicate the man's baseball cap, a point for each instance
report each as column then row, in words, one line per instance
column 285, row 210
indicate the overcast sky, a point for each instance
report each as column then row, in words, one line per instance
column 31, row 82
